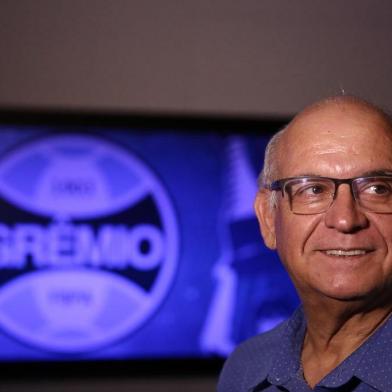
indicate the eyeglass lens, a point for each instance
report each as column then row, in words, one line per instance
column 315, row 195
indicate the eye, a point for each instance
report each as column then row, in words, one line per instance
column 310, row 190
column 315, row 189
column 380, row 188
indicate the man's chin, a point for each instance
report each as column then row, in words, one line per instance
column 347, row 295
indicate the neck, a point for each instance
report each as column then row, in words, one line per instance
column 336, row 332
column 342, row 325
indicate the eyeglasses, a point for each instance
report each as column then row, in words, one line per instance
column 314, row 195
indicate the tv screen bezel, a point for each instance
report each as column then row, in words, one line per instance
column 62, row 120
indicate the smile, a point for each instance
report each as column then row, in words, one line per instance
column 345, row 253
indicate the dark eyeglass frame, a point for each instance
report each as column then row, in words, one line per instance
column 281, row 184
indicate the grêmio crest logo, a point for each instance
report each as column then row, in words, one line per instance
column 88, row 243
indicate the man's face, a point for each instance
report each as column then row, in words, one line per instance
column 341, row 142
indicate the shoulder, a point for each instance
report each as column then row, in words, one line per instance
column 251, row 361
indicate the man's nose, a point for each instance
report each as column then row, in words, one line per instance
column 345, row 215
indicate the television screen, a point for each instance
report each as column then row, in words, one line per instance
column 127, row 238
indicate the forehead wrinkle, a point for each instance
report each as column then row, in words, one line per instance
column 331, row 149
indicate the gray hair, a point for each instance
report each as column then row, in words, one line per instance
column 269, row 173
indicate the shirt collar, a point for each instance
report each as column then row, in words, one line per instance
column 376, row 358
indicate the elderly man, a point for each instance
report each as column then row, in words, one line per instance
column 325, row 205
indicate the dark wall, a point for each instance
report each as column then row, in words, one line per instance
column 225, row 56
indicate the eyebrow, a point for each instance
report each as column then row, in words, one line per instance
column 379, row 172
column 371, row 173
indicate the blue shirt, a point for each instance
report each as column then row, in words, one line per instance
column 271, row 362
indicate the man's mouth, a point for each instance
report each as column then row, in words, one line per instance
column 346, row 252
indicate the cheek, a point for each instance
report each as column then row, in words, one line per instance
column 294, row 231
column 288, row 238
column 381, row 225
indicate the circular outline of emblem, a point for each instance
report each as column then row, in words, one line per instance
column 161, row 286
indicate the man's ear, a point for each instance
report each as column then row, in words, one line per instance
column 265, row 213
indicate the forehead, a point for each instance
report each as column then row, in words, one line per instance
column 342, row 140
